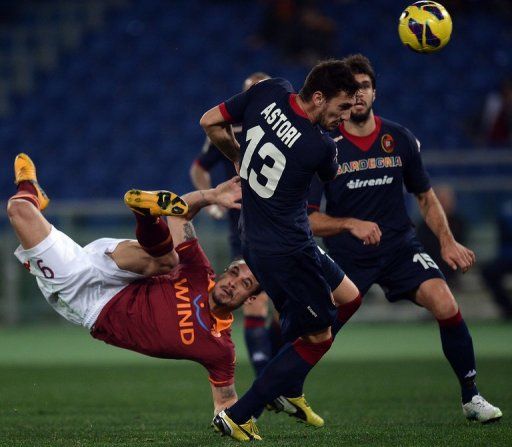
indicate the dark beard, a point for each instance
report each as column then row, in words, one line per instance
column 359, row 118
column 217, row 300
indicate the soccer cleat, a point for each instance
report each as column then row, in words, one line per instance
column 241, row 432
column 25, row 170
column 155, row 203
column 297, row 407
column 478, row 409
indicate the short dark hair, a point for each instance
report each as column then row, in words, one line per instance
column 330, row 77
column 360, row 64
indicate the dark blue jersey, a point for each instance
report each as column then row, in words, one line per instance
column 281, row 152
column 374, row 170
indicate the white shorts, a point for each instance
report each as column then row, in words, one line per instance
column 76, row 281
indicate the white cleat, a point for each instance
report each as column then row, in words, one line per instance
column 478, row 409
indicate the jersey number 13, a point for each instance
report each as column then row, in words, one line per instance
column 272, row 173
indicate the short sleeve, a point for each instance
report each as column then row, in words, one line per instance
column 233, row 109
column 315, row 195
column 416, row 178
column 221, row 369
column 329, row 166
column 210, row 156
column 191, row 253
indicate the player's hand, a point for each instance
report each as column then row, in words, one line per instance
column 216, row 212
column 457, row 256
column 229, row 193
column 368, row 232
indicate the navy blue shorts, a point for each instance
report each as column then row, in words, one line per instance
column 399, row 273
column 300, row 286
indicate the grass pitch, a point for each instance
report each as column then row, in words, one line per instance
column 381, row 385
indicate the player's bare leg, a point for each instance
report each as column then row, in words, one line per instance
column 154, row 253
column 24, row 207
column 348, row 299
column 435, row 295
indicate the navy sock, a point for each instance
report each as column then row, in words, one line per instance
column 290, row 365
column 345, row 312
column 458, row 349
column 276, row 338
column 258, row 342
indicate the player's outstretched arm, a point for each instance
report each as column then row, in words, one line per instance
column 323, row 225
column 453, row 253
column 223, row 397
column 201, row 179
column 221, row 134
column 226, row 194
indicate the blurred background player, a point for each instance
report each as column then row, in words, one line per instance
column 262, row 340
column 369, row 234
column 496, row 271
column 281, row 148
column 144, row 295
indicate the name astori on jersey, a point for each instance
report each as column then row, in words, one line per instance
column 283, row 128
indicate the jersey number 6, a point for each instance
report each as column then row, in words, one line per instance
column 271, row 173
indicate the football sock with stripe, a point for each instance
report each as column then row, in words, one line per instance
column 291, row 365
column 458, row 349
column 153, row 235
column 27, row 191
column 345, row 312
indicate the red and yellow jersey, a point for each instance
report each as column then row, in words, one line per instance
column 168, row 316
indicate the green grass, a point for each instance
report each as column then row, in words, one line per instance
column 381, row 385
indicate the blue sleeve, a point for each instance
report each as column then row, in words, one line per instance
column 315, row 195
column 329, row 166
column 210, row 156
column 416, row 178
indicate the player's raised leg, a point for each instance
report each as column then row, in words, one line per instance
column 154, row 252
column 24, row 207
column 435, row 295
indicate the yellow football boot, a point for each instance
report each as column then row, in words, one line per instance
column 155, row 203
column 298, row 408
column 25, row 170
column 241, row 432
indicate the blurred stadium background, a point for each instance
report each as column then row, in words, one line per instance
column 106, row 95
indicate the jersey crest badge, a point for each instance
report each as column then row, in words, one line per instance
column 388, row 143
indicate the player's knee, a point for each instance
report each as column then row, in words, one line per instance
column 18, row 209
column 444, row 306
column 164, row 264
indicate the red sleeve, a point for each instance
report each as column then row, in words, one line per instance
column 221, row 372
column 190, row 252
column 224, row 112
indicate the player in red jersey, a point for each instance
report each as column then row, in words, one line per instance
column 155, row 295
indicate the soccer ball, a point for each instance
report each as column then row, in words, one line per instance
column 425, row 27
